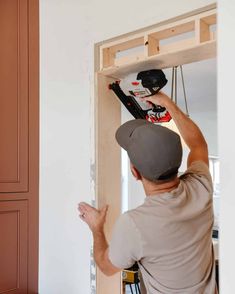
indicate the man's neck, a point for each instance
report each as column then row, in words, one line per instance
column 152, row 188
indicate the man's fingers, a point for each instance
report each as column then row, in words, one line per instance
column 85, row 206
column 148, row 100
column 149, row 103
column 145, row 99
column 104, row 209
column 81, row 209
column 82, row 218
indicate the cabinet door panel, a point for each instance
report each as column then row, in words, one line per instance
column 13, row 247
column 13, row 96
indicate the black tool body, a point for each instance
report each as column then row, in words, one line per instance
column 145, row 84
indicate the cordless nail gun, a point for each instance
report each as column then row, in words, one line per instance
column 131, row 89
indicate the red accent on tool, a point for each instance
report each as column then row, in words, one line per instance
column 154, row 119
column 135, row 83
column 165, row 118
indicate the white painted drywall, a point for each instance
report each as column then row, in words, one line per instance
column 226, row 106
column 65, row 149
column 68, row 31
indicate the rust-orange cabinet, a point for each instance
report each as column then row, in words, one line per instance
column 13, row 246
column 19, row 120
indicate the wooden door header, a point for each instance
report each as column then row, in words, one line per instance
column 189, row 39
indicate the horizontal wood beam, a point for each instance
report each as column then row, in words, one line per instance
column 181, row 35
column 180, row 56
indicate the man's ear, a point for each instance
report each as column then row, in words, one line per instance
column 135, row 172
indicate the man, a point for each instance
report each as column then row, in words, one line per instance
column 170, row 234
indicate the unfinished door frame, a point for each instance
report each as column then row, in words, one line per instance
column 109, row 68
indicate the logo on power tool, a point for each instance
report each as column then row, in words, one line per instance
column 156, row 88
column 140, row 93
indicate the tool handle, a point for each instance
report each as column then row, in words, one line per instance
column 158, row 108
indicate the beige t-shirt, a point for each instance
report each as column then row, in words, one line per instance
column 170, row 236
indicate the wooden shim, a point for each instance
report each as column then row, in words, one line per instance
column 108, row 168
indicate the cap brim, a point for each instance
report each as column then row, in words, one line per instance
column 124, row 132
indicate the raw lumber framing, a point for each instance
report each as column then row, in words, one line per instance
column 200, row 45
column 152, row 51
column 108, row 169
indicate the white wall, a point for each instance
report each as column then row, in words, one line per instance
column 68, row 30
column 226, row 106
column 65, row 150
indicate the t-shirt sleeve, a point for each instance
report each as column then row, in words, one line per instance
column 199, row 172
column 125, row 247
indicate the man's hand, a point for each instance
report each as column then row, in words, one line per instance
column 93, row 217
column 190, row 132
column 158, row 99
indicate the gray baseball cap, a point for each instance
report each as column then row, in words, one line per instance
column 154, row 150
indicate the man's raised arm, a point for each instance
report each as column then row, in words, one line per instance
column 189, row 131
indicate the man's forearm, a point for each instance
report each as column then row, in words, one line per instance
column 96, row 219
column 101, row 255
column 188, row 129
column 100, row 246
